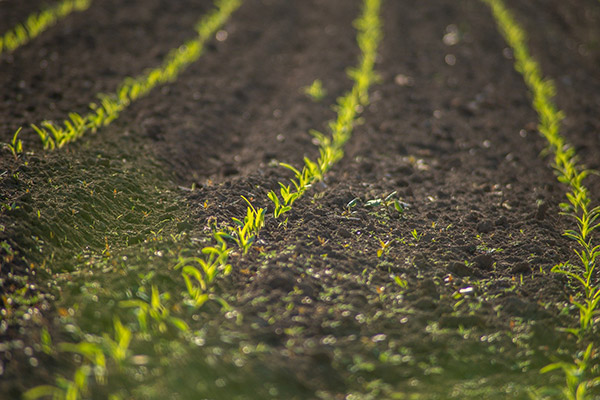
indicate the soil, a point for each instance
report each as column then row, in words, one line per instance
column 315, row 312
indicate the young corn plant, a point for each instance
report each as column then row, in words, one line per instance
column 156, row 311
column 347, row 108
column 198, row 280
column 245, row 232
column 95, row 356
column 578, row 205
column 15, row 146
column 38, row 22
column 110, row 106
column 575, row 373
column 315, row 91
column 390, row 202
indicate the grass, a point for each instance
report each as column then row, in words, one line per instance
column 109, row 106
column 38, row 22
column 348, row 108
column 578, row 205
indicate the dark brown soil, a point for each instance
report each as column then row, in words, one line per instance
column 450, row 129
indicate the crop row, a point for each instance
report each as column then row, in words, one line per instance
column 577, row 207
column 348, row 106
column 110, row 106
column 38, row 22
column 198, row 273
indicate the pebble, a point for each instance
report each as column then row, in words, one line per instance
column 484, row 261
column 485, row 227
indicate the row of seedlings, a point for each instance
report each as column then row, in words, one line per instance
column 199, row 272
column 580, row 374
column 110, row 106
column 38, row 22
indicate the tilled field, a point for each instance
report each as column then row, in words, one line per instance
column 416, row 260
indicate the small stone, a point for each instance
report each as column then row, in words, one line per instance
column 502, row 221
column 541, row 211
column 522, row 267
column 425, row 303
column 484, row 261
column 460, row 269
column 485, row 227
column 343, row 232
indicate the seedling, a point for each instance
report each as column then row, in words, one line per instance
column 389, row 202
column 384, row 247
column 15, row 146
column 316, row 91
column 403, row 283
column 575, row 374
column 416, row 235
column 156, row 311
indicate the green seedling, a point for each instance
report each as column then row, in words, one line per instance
column 156, row 311
column 416, row 235
column 245, row 232
column 315, row 91
column 389, row 202
column 384, row 247
column 403, row 283
column 15, row 146
column 118, row 348
column 576, row 383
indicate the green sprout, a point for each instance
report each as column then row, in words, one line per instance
column 384, row 247
column 15, row 146
column 577, row 384
column 156, row 311
column 389, row 202
column 416, row 235
column 315, row 91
